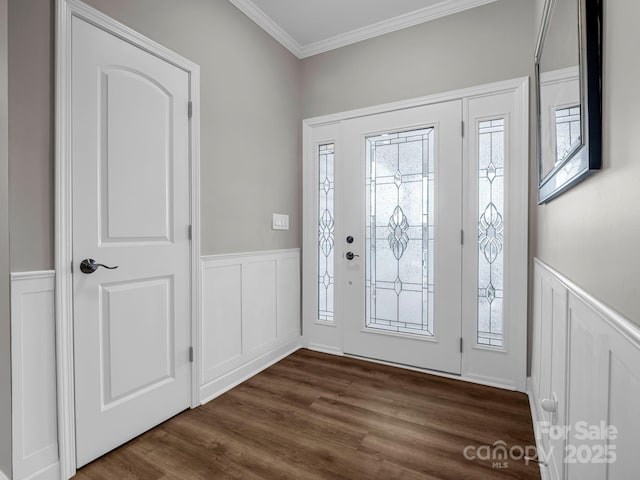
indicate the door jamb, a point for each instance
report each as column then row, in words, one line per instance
column 65, row 11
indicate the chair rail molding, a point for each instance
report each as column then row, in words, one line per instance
column 585, row 373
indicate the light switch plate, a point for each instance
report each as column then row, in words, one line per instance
column 280, row 222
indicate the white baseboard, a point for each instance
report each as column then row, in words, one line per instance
column 325, row 349
column 52, row 472
column 234, row 378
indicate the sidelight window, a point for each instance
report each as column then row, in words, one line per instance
column 491, row 230
column 326, row 227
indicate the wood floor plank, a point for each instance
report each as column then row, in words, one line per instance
column 319, row 417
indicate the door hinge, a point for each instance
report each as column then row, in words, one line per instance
column 190, row 354
column 190, row 232
column 460, row 344
column 190, row 109
column 461, row 237
column 462, row 128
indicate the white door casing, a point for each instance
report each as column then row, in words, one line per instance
column 505, row 102
column 127, row 178
column 439, row 351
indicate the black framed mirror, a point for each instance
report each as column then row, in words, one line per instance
column 568, row 65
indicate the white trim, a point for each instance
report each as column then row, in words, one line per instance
column 443, row 9
column 535, row 418
column 560, row 76
column 52, row 472
column 289, row 252
column 325, row 323
column 196, row 264
column 35, row 275
column 241, row 374
column 621, row 324
column 487, row 89
column 264, row 21
column 316, row 347
column 65, row 10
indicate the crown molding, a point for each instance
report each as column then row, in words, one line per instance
column 448, row 7
column 268, row 25
column 442, row 9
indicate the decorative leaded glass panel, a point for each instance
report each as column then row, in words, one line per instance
column 400, row 231
column 325, row 231
column 490, row 232
column 568, row 133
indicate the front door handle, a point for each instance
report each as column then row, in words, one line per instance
column 351, row 255
column 89, row 265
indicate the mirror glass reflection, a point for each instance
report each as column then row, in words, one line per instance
column 560, row 97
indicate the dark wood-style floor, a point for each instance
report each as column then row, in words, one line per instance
column 316, row 416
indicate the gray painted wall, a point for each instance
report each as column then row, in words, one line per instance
column 250, row 118
column 31, row 113
column 5, row 323
column 482, row 45
column 592, row 233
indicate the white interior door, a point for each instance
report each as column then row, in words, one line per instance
column 130, row 148
column 399, row 196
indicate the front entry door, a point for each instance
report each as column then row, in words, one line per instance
column 130, row 148
column 399, row 201
column 415, row 233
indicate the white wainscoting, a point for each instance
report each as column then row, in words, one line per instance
column 586, row 367
column 250, row 316
column 33, row 357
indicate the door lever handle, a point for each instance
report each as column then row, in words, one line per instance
column 351, row 255
column 89, row 265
